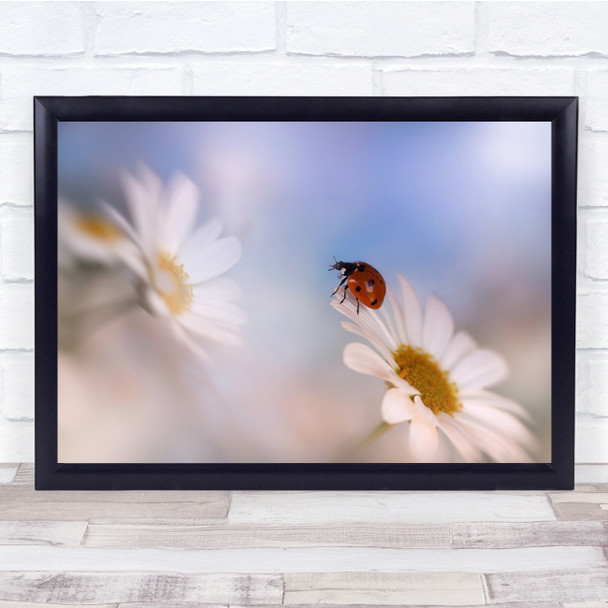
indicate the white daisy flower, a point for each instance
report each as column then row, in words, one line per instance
column 92, row 238
column 436, row 380
column 182, row 264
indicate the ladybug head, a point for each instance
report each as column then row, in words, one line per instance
column 339, row 266
column 344, row 268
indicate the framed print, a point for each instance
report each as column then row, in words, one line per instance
column 305, row 293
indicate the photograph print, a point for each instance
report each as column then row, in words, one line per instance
column 304, row 292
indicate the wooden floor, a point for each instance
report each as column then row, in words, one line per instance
column 178, row 549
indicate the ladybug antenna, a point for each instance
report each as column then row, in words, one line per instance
column 333, row 266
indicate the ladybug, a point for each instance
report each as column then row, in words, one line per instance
column 365, row 282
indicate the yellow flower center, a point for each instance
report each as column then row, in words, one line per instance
column 422, row 372
column 171, row 281
column 98, row 228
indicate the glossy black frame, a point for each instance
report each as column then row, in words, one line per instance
column 562, row 112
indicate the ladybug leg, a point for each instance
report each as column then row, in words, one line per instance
column 338, row 287
column 344, row 296
column 357, row 305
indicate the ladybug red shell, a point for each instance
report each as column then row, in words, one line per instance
column 364, row 281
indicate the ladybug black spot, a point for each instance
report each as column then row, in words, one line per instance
column 357, row 288
column 375, row 302
column 370, row 283
column 361, row 267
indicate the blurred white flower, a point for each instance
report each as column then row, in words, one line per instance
column 180, row 277
column 436, row 380
column 91, row 238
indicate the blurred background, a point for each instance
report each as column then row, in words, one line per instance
column 462, row 210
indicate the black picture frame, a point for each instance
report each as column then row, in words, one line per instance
column 562, row 112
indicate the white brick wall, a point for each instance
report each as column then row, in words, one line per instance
column 269, row 78
column 43, row 29
column 477, row 81
column 16, row 167
column 566, row 29
column 380, row 29
column 16, row 316
column 308, row 48
column 596, row 118
column 18, row 385
column 596, row 235
column 205, row 27
column 592, row 174
column 17, row 240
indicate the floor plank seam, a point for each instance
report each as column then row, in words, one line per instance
column 484, row 586
column 230, row 495
column 85, row 533
column 551, row 506
column 451, row 533
column 283, row 594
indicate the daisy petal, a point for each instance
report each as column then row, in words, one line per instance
column 424, row 412
column 122, row 223
column 424, row 440
column 217, row 289
column 391, row 326
column 182, row 208
column 460, row 345
column 143, row 198
column 397, row 407
column 211, row 261
column 361, row 358
column 482, row 439
column 479, row 369
column 466, row 449
column 412, row 313
column 186, row 338
column 500, row 447
column 496, row 401
column 211, row 329
column 208, row 233
column 221, row 311
column 151, row 302
column 499, row 421
column 373, row 318
column 398, row 318
column 437, row 328
column 134, row 261
column 373, row 333
column 375, row 342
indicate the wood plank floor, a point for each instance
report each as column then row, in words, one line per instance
column 185, row 549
